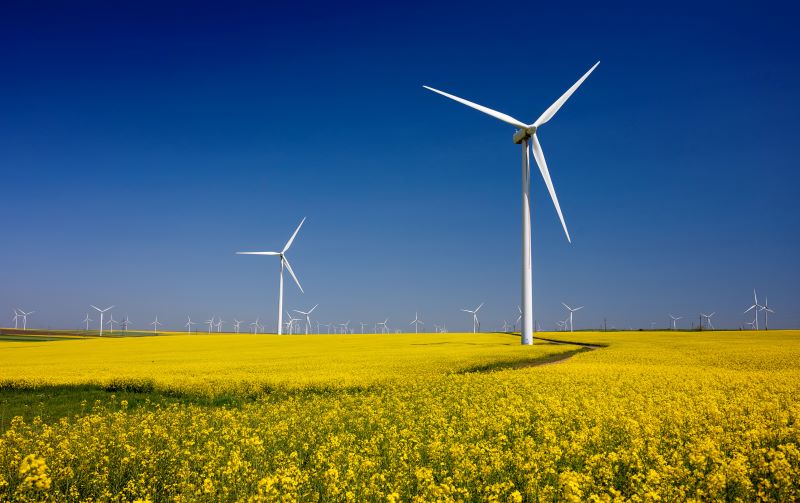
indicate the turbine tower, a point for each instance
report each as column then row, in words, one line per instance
column 111, row 322
column 236, row 324
column 571, row 310
column 189, row 323
column 17, row 316
column 475, row 323
column 210, row 323
column 674, row 319
column 125, row 324
column 308, row 316
column 766, row 310
column 707, row 317
column 756, row 307
column 85, row 320
column 156, row 324
column 102, row 312
column 526, row 133
column 284, row 265
column 383, row 323
column 417, row 322
column 24, row 316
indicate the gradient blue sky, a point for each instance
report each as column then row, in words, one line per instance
column 142, row 145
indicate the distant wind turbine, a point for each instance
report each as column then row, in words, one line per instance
column 236, row 324
column 571, row 311
column 383, row 323
column 417, row 322
column 210, row 323
column 307, row 314
column 362, row 326
column 474, row 312
column 156, row 324
column 126, row 323
column 756, row 307
column 674, row 319
column 110, row 323
column 526, row 133
column 220, row 322
column 766, row 310
column 255, row 326
column 86, row 321
column 708, row 319
column 189, row 323
column 284, row 265
column 24, row 316
column 102, row 312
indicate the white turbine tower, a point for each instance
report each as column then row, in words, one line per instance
column 571, row 310
column 383, row 324
column 756, row 307
column 110, row 323
column 17, row 316
column 708, row 319
column 674, row 319
column 236, row 324
column 417, row 322
column 126, row 323
column 291, row 323
column 475, row 323
column 284, row 265
column 85, row 320
column 210, row 323
column 156, row 324
column 102, row 312
column 255, row 326
column 307, row 314
column 526, row 133
column 24, row 316
column 345, row 327
column 362, row 326
column 220, row 321
column 189, row 323
column 766, row 310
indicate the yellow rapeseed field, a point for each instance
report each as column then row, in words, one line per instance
column 651, row 417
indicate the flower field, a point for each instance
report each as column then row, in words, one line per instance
column 660, row 416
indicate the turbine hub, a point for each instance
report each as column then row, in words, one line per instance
column 523, row 134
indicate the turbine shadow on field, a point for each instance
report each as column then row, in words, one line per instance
column 537, row 362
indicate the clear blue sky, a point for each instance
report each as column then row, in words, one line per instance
column 142, row 145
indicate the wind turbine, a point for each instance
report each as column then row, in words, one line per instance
column 475, row 323
column 674, row 319
column 757, row 308
column 236, row 324
column 362, row 326
column 752, row 324
column 519, row 318
column 291, row 323
column 219, row 324
column 571, row 310
column 111, row 322
column 526, row 133
column 210, row 323
column 255, row 326
column 417, row 322
column 156, row 324
column 102, row 311
column 125, row 324
column 708, row 319
column 24, row 316
column 766, row 310
column 383, row 324
column 85, row 320
column 307, row 315
column 189, row 323
column 284, row 265
column 345, row 327
column 17, row 316
column 506, row 326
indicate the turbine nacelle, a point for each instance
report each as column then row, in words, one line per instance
column 523, row 134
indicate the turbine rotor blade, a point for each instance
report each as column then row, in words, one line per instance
column 551, row 111
column 291, row 272
column 539, row 156
column 257, row 253
column 291, row 239
column 488, row 111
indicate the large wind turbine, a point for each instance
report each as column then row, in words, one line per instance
column 307, row 314
column 284, row 264
column 475, row 323
column 526, row 133
column 102, row 311
column 571, row 310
